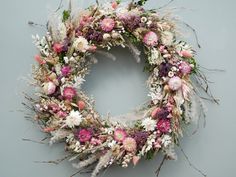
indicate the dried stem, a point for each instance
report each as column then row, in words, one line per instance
column 59, row 6
column 80, row 171
column 165, row 5
column 34, row 141
column 160, row 166
column 56, row 162
column 190, row 163
column 194, row 32
column 35, row 24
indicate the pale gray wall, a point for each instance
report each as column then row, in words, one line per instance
column 212, row 149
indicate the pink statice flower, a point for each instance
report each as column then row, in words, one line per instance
column 185, row 68
column 120, row 135
column 65, row 71
column 57, row 47
column 163, row 125
column 61, row 114
column 95, row 141
column 84, row 135
column 175, row 83
column 86, row 19
column 150, row 38
column 130, row 144
column 69, row 93
column 107, row 24
column 54, row 107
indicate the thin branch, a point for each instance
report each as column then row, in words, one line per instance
column 165, row 5
column 59, row 6
column 160, row 166
column 34, row 141
column 190, row 163
column 56, row 162
column 212, row 70
column 31, row 23
column 194, row 32
column 97, row 2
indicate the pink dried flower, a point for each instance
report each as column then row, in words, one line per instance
column 57, row 47
column 185, row 68
column 61, row 114
column 175, row 83
column 135, row 160
column 150, row 38
column 95, row 141
column 85, row 20
column 130, row 144
column 163, row 125
column 120, row 135
column 154, row 112
column 39, row 59
column 69, row 93
column 49, row 88
column 65, row 71
column 186, row 54
column 107, row 24
column 114, row 4
column 84, row 135
column 54, row 107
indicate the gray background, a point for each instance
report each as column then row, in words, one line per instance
column 119, row 87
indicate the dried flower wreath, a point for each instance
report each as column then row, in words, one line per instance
column 66, row 53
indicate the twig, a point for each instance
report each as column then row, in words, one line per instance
column 80, row 171
column 160, row 166
column 194, row 32
column 190, row 163
column 56, row 162
column 165, row 5
column 212, row 70
column 60, row 6
column 35, row 24
column 34, row 141
column 97, row 2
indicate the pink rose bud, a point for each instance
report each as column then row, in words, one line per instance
column 39, row 59
column 186, row 54
column 114, row 4
column 57, row 47
column 136, row 160
column 81, row 105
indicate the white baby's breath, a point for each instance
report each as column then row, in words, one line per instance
column 166, row 140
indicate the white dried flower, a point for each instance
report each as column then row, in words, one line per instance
column 166, row 140
column 111, row 144
column 106, row 36
column 74, row 119
column 167, row 38
column 78, row 81
column 81, row 44
column 143, row 19
column 156, row 96
column 149, row 124
column 154, row 57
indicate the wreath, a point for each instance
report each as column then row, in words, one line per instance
column 67, row 114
